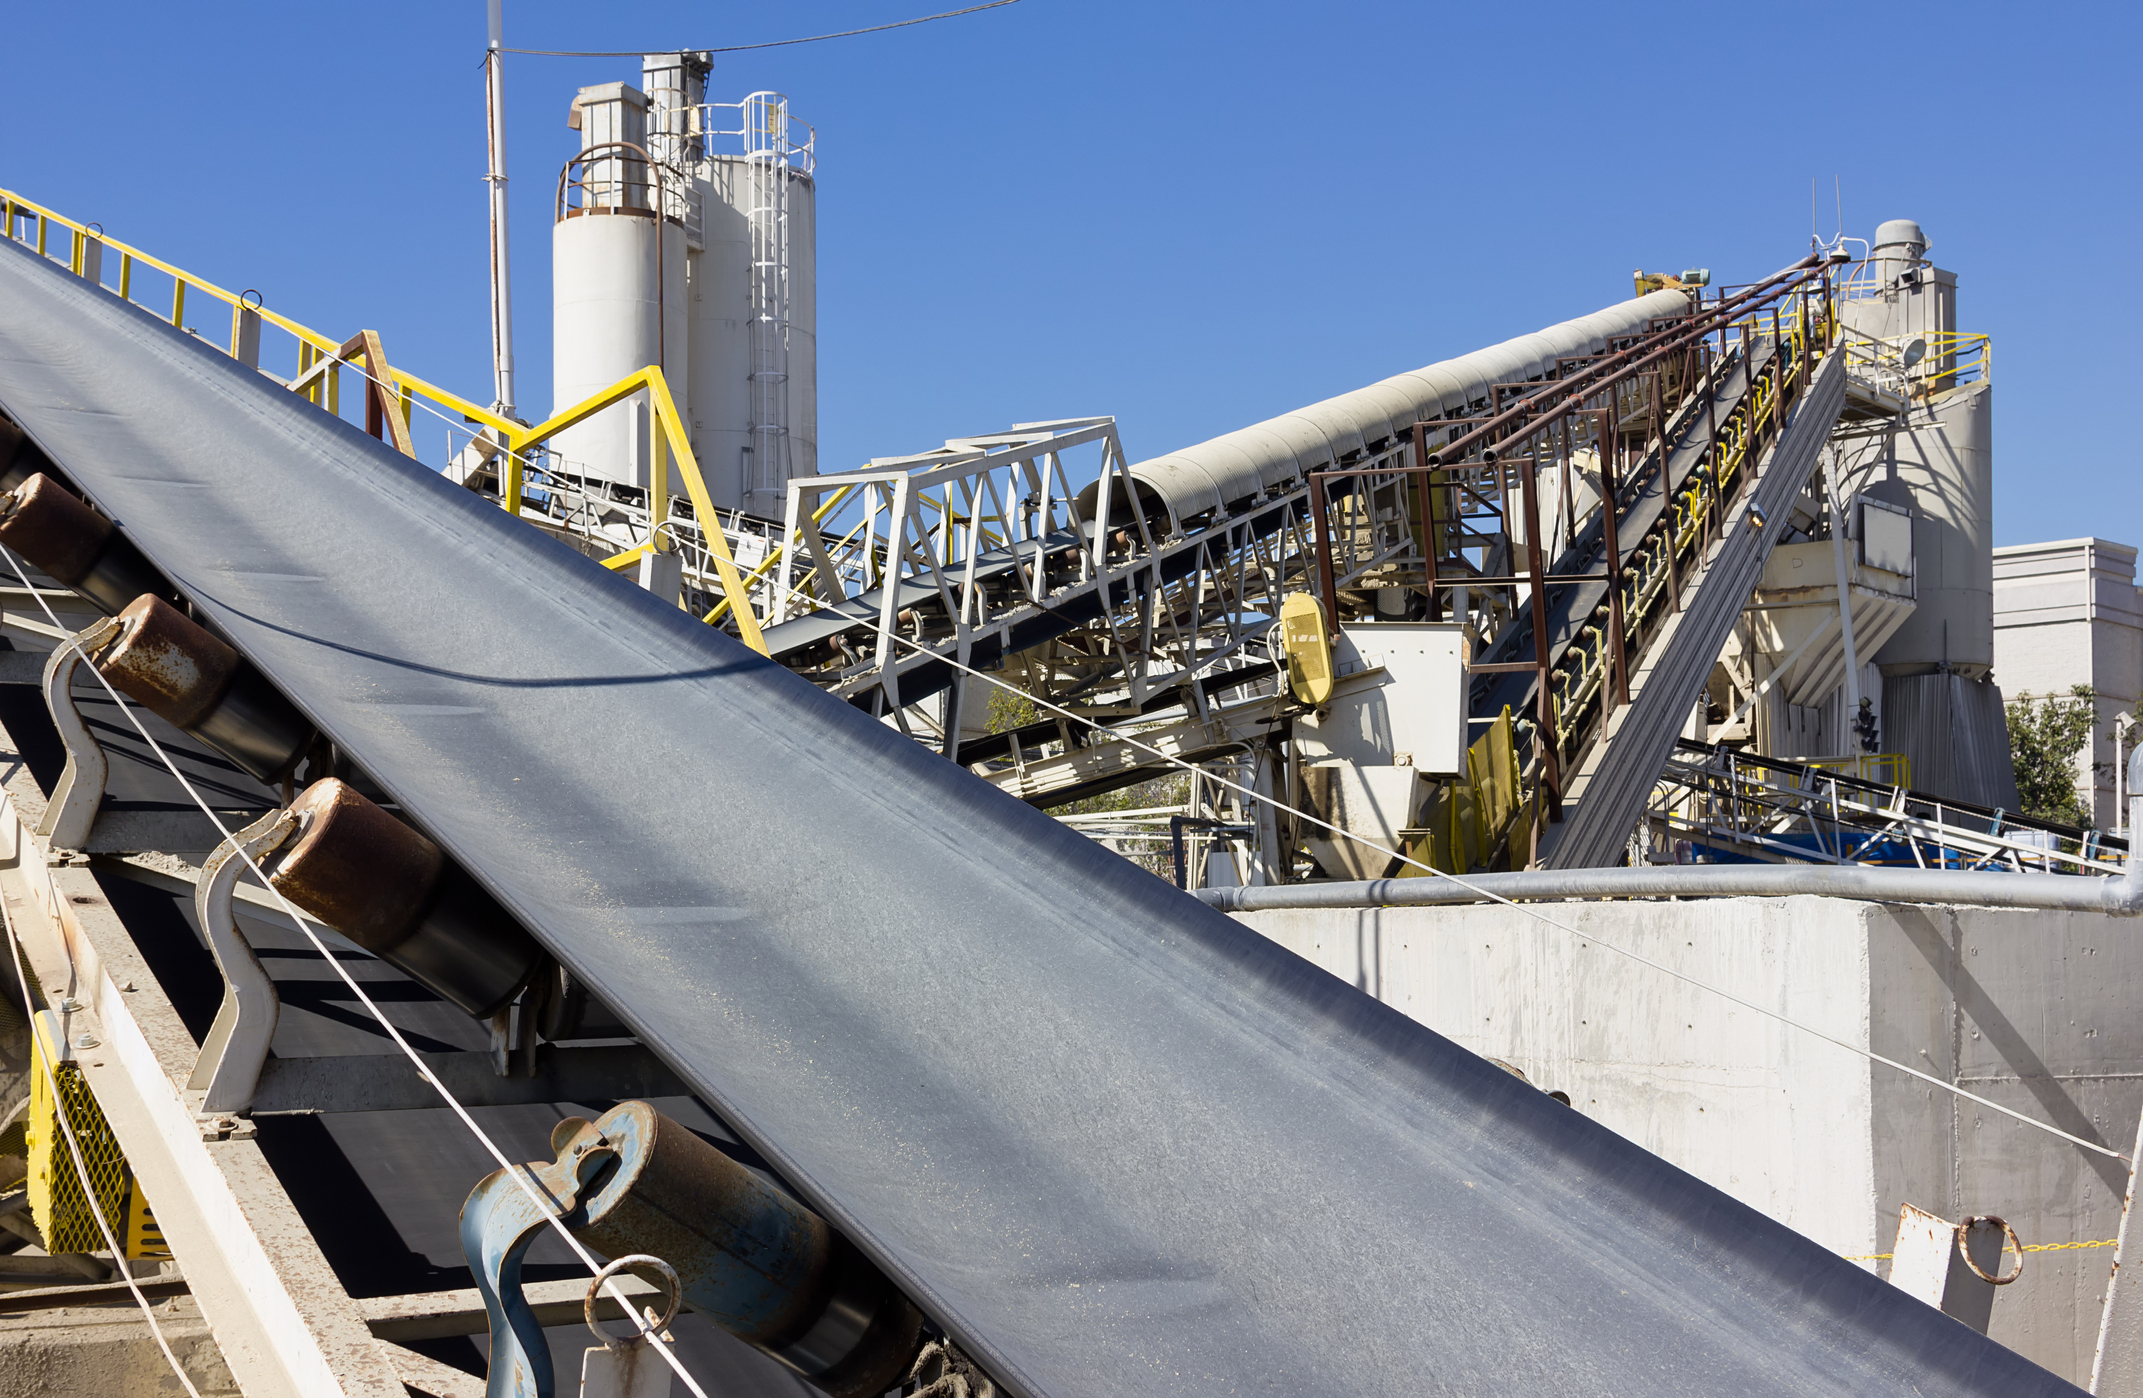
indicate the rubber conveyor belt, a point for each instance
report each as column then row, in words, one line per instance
column 1115, row 1142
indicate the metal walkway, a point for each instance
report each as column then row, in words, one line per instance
column 1736, row 806
column 1111, row 1140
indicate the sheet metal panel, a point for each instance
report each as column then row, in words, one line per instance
column 1114, row 1141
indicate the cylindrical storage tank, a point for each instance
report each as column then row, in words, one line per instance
column 606, row 287
column 1941, row 470
column 1898, row 247
column 726, row 429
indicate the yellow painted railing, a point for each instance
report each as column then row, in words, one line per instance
column 88, row 245
column 1885, row 768
column 668, row 441
column 320, row 357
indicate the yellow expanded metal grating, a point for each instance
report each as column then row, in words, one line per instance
column 57, row 1203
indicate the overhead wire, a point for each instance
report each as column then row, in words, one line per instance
column 518, row 1171
column 1479, row 892
column 770, row 44
column 1484, row 894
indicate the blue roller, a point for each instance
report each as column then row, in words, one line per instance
column 1110, row 1140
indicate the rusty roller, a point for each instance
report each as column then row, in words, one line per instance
column 20, row 458
column 170, row 665
column 751, row 1258
column 396, row 894
column 50, row 526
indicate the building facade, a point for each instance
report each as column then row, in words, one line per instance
column 2069, row 613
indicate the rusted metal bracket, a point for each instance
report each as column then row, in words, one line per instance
column 228, row 1071
column 73, row 808
column 383, row 408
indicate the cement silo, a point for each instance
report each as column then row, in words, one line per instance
column 739, row 339
column 617, row 306
column 754, row 384
column 1936, row 460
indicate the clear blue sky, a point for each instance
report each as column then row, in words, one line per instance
column 1189, row 215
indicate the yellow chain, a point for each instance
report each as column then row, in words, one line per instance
column 2028, row 1247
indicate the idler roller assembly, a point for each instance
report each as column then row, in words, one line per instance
column 170, row 665
column 747, row 1255
column 20, row 458
column 49, row 525
column 396, row 894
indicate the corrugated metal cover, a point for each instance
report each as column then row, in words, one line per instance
column 1190, row 479
column 1956, row 735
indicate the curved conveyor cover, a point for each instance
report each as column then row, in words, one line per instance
column 1115, row 1142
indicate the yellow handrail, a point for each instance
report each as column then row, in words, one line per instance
column 669, row 440
column 16, row 207
column 314, row 348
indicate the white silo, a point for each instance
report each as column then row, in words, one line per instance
column 616, row 305
column 738, row 338
column 754, row 360
column 1937, row 461
column 1941, row 707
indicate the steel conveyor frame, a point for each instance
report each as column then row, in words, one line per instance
column 1111, row 1140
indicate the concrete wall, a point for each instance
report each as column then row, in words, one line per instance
column 2034, row 1011
column 2070, row 613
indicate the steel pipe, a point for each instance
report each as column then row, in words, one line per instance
column 393, row 892
column 172, row 666
column 2120, row 896
column 50, row 526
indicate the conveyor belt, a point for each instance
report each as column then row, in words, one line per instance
column 1115, row 1142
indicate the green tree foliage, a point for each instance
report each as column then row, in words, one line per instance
column 2044, row 737
column 1009, row 709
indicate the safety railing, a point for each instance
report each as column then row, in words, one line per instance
column 389, row 395
column 1649, row 582
column 1825, row 811
column 619, row 177
column 238, row 318
column 668, row 443
column 765, row 127
column 1891, row 769
column 1914, row 365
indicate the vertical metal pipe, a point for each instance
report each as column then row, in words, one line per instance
column 1655, row 419
column 1619, row 654
column 1324, row 551
column 501, row 275
column 1425, row 506
column 1550, row 766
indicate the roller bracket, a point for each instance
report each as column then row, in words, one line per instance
column 750, row 1257
column 227, row 1072
column 73, row 808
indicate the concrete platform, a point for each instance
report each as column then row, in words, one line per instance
column 2032, row 1010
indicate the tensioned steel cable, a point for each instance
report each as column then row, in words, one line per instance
column 518, row 1171
column 1486, row 895
column 74, row 1153
column 771, row 44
